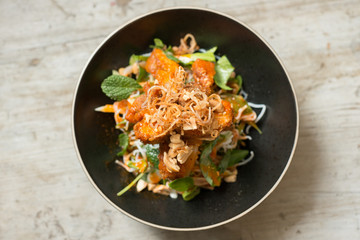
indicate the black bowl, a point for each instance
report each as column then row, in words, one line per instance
column 265, row 80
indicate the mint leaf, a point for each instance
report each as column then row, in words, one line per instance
column 190, row 194
column 119, row 87
column 137, row 58
column 123, row 143
column 182, row 184
column 152, row 153
column 207, row 166
column 223, row 70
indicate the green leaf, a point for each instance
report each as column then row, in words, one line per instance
column 170, row 56
column 207, row 166
column 137, row 58
column 189, row 59
column 224, row 164
column 239, row 81
column 125, row 189
column 182, row 184
column 207, row 56
column 237, row 155
column 152, row 153
column 231, row 158
column 142, row 74
column 190, row 194
column 123, row 143
column 158, row 43
column 223, row 70
column 119, row 87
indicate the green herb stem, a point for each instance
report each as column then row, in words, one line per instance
column 125, row 189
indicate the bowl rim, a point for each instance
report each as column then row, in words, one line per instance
column 178, row 228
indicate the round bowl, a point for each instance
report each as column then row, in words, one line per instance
column 265, row 81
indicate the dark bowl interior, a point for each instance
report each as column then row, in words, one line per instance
column 265, row 81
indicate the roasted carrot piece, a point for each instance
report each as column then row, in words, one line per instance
column 135, row 113
column 146, row 133
column 160, row 66
column 204, row 72
column 225, row 118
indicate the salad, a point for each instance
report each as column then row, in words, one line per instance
column 183, row 119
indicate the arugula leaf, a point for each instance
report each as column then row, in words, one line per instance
column 190, row 194
column 136, row 58
column 207, row 166
column 152, row 153
column 142, row 74
column 182, row 184
column 123, row 143
column 231, row 158
column 223, row 70
column 119, row 87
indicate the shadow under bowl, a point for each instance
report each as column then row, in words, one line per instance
column 265, row 81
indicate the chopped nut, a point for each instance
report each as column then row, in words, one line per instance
column 183, row 155
column 170, row 163
column 176, row 146
column 190, row 126
column 176, row 139
column 200, row 181
column 141, row 185
column 151, row 186
column 231, row 178
column 162, row 189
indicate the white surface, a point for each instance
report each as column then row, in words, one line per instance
column 45, row 194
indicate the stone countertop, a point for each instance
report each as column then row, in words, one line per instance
column 44, row 193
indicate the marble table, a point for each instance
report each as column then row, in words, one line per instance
column 44, row 193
